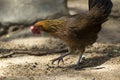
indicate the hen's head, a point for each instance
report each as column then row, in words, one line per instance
column 37, row 27
column 49, row 26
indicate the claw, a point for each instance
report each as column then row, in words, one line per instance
column 77, row 67
column 59, row 59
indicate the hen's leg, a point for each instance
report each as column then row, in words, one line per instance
column 60, row 58
column 80, row 59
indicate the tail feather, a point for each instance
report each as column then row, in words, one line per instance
column 92, row 4
column 100, row 9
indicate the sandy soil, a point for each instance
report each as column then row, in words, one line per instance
column 102, row 63
column 102, row 59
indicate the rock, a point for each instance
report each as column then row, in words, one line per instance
column 13, row 28
column 3, row 31
column 116, row 10
column 28, row 11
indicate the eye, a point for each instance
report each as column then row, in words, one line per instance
column 40, row 26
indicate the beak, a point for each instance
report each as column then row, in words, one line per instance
column 35, row 30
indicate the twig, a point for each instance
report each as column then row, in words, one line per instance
column 7, row 55
column 10, row 52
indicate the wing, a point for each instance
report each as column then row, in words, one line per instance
column 99, row 10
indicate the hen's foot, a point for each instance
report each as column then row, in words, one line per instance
column 59, row 59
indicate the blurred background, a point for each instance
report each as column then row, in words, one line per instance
column 16, row 17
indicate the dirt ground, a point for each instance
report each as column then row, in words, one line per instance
column 102, row 59
column 102, row 63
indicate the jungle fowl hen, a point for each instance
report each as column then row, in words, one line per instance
column 77, row 31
